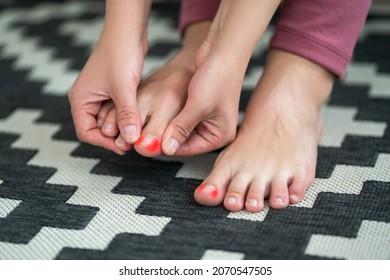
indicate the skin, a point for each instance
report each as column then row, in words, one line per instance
column 274, row 153
column 160, row 96
column 113, row 72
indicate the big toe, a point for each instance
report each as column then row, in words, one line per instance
column 213, row 189
column 148, row 145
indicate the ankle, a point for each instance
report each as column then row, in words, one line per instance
column 313, row 80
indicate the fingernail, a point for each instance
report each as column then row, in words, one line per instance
column 131, row 134
column 252, row 202
column 172, row 146
column 279, row 200
column 232, row 200
column 108, row 127
column 121, row 143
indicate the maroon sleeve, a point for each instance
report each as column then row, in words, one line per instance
column 323, row 31
column 192, row 11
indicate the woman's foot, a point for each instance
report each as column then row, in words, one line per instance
column 275, row 152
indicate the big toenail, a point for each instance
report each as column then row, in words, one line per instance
column 149, row 142
column 171, row 146
column 208, row 188
column 252, row 202
column 131, row 134
column 232, row 200
column 278, row 200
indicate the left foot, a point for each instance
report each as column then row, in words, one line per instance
column 160, row 96
column 275, row 152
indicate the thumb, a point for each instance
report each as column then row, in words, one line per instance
column 179, row 130
column 128, row 116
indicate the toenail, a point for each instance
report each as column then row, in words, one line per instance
column 149, row 142
column 231, row 200
column 208, row 188
column 279, row 200
column 252, row 202
column 99, row 122
column 130, row 132
column 294, row 197
column 171, row 146
column 108, row 127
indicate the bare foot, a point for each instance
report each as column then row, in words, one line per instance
column 275, row 152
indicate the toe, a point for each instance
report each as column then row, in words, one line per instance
column 236, row 193
column 212, row 191
column 279, row 192
column 298, row 187
column 103, row 112
column 121, row 144
column 148, row 145
column 255, row 197
column 110, row 126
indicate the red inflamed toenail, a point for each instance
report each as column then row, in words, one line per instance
column 201, row 188
column 209, row 188
column 151, row 144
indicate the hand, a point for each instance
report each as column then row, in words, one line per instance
column 113, row 72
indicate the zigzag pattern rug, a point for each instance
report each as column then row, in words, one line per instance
column 62, row 199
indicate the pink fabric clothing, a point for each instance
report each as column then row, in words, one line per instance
column 323, row 31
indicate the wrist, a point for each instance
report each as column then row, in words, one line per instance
column 126, row 23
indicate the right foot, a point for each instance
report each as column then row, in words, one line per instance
column 275, row 152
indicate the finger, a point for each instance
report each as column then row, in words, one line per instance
column 128, row 116
column 195, row 145
column 110, row 126
column 205, row 139
column 179, row 130
column 103, row 112
column 87, row 131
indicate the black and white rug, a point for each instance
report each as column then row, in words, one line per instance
column 62, row 199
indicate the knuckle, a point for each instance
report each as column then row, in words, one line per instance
column 81, row 135
column 182, row 130
column 126, row 113
column 230, row 136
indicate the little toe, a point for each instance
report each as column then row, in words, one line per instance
column 110, row 126
column 279, row 193
column 298, row 187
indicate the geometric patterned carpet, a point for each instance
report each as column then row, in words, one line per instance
column 62, row 199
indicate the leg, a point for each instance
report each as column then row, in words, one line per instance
column 276, row 148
